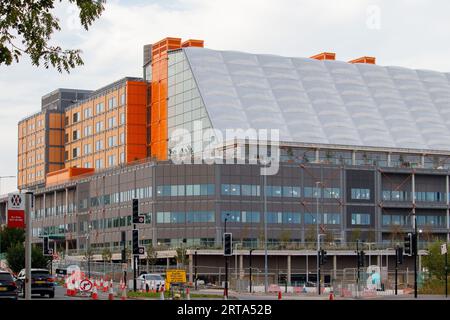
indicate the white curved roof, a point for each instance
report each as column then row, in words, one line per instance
column 324, row 102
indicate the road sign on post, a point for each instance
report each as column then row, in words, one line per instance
column 227, row 244
column 443, row 248
column 16, row 210
column 136, row 217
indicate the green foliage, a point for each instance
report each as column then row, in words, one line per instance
column 10, row 236
column 106, row 255
column 181, row 256
column 152, row 255
column 434, row 286
column 15, row 256
column 27, row 26
column 435, row 261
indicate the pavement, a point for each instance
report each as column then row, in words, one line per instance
column 60, row 294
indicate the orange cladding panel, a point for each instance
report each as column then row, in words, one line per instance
column 136, row 121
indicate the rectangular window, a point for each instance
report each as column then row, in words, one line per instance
column 87, row 113
column 99, row 163
column 231, row 216
column 111, row 160
column 75, row 153
column 99, row 126
column 122, row 118
column 99, row 107
column 112, row 103
column 250, row 217
column 87, row 149
column 112, row 141
column 122, row 138
column 122, row 157
column 360, row 219
column 87, row 131
column 75, row 135
column 76, row 117
column 312, row 192
column 87, row 165
column 122, row 99
column 360, row 194
column 112, row 122
column 98, row 145
column 332, row 193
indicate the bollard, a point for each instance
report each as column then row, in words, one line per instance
column 124, row 293
column 188, row 294
column 279, row 295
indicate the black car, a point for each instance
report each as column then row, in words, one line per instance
column 42, row 282
column 8, row 287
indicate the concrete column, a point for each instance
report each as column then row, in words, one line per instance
column 241, row 267
column 317, row 156
column 389, row 159
column 419, row 269
column 289, row 270
column 335, row 267
column 191, row 268
column 168, row 262
column 353, row 157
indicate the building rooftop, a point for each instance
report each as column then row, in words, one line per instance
column 324, row 101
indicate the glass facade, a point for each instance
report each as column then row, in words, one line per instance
column 185, row 107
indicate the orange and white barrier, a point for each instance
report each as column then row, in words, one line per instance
column 94, row 294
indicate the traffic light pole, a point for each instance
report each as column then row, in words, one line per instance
column 195, row 270
column 226, row 263
column 415, row 245
column 357, row 269
column 134, row 268
column 396, row 268
column 446, row 274
column 318, row 270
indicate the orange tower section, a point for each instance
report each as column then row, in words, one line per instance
column 158, row 106
column 136, row 129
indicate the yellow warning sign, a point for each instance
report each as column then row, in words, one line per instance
column 175, row 276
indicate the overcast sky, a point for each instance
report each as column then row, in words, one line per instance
column 410, row 33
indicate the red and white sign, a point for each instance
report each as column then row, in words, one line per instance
column 16, row 210
column 85, row 285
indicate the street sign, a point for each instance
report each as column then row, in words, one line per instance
column 16, row 210
column 175, row 276
column 85, row 285
column 443, row 248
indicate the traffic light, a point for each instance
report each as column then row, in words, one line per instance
column 227, row 244
column 409, row 244
column 323, row 257
column 123, row 251
column 136, row 217
column 361, row 258
column 399, row 255
column 45, row 250
column 137, row 250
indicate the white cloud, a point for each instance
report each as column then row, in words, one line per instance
column 412, row 33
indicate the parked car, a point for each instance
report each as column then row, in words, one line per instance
column 150, row 281
column 8, row 287
column 42, row 282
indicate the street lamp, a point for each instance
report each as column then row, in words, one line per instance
column 318, row 237
column 88, row 249
column 226, row 257
column 250, row 267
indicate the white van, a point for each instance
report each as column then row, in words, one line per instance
column 150, row 281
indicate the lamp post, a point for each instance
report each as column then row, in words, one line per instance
column 250, row 267
column 318, row 237
column 226, row 257
column 266, row 267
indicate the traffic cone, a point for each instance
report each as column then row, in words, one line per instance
column 73, row 290
column 124, row 293
column 161, row 296
column 279, row 295
column 105, row 286
column 188, row 294
column 68, row 289
column 94, row 294
column 111, row 291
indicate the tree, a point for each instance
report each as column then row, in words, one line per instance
column 11, row 236
column 181, row 256
column 15, row 256
column 434, row 261
column 356, row 235
column 106, row 255
column 285, row 237
column 152, row 255
column 27, row 27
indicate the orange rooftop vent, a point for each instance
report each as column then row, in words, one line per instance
column 369, row 60
column 325, row 56
column 192, row 43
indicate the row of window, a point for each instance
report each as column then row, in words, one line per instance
column 280, row 191
column 422, row 220
column 400, row 195
column 118, row 197
column 54, row 211
column 185, row 190
column 99, row 108
column 182, row 217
